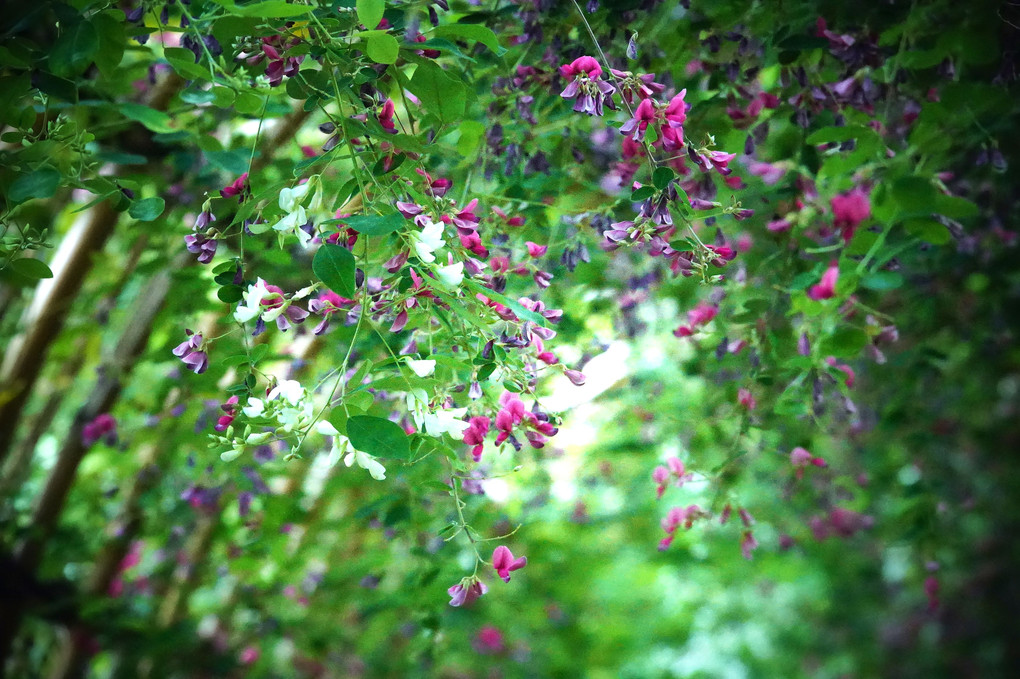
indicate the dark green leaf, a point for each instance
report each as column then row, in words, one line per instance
column 147, row 209
column 334, row 266
column 41, row 183
column 662, row 177
column 475, row 32
column 74, row 49
column 31, row 268
column 378, row 437
column 375, row 225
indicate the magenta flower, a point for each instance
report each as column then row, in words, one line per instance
column 466, row 591
column 644, row 115
column 851, row 377
column 237, row 188
column 826, row 287
column 489, row 640
column 536, row 250
column 102, row 427
column 661, row 477
column 849, row 210
column 503, row 562
column 586, row 87
column 475, row 435
column 385, row 117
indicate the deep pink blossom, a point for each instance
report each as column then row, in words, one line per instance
column 237, row 188
column 536, row 250
column 746, row 399
column 826, row 287
column 489, row 640
column 103, row 426
column 849, row 210
column 748, row 544
column 475, row 435
column 586, row 87
column 503, row 562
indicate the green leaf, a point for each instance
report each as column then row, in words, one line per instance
column 233, row 162
column 41, row 183
column 111, row 41
column 230, row 294
column 471, row 132
column 475, row 32
column 928, row 230
column 439, row 94
column 882, row 280
column 74, row 49
column 31, row 268
column 845, row 343
column 642, row 193
column 270, row 9
column 382, row 49
column 334, row 266
column 836, row 134
column 157, row 121
column 370, row 12
column 378, row 437
column 147, row 209
column 662, row 177
column 375, row 225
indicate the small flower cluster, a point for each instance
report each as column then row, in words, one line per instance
column 192, row 352
column 699, row 316
column 266, row 303
column 674, row 518
column 674, row 472
column 471, row 587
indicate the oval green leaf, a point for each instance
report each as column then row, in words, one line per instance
column 31, row 268
column 147, row 209
column 382, row 49
column 39, row 184
column 334, row 266
column 370, row 12
column 375, row 225
column 378, row 437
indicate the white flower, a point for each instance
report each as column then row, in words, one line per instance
column 290, row 390
column 251, row 304
column 291, row 198
column 254, row 408
column 367, row 462
column 292, row 220
column 422, row 368
column 326, row 428
column 428, row 240
column 451, row 275
column 417, row 402
column 446, row 421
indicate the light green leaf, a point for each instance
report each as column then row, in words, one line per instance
column 440, row 94
column 157, row 121
column 370, row 12
column 382, row 49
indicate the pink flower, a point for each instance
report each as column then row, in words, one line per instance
column 475, row 435
column 489, row 640
column 702, row 314
column 588, row 66
column 466, row 591
column 191, row 352
column 746, row 399
column 644, row 115
column 826, row 287
column 589, row 91
column 237, row 188
column 748, row 544
column 249, row 655
column 536, row 250
column 503, row 562
column 386, row 117
column 661, row 476
column 576, row 377
column 800, row 458
column 851, row 377
column 849, row 210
